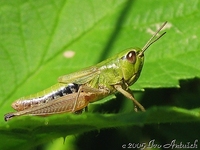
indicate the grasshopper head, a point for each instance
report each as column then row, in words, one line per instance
column 131, row 64
column 132, row 59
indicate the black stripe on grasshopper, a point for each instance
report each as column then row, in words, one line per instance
column 70, row 88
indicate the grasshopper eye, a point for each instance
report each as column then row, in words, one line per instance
column 131, row 57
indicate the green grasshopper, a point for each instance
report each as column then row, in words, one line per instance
column 75, row 91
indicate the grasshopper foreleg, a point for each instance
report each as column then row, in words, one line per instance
column 130, row 96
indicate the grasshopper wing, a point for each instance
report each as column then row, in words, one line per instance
column 80, row 77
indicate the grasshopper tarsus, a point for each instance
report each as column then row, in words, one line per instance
column 8, row 116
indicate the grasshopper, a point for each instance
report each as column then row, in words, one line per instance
column 75, row 91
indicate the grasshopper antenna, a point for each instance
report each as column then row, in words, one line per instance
column 152, row 40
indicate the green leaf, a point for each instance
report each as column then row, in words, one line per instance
column 52, row 127
column 35, row 36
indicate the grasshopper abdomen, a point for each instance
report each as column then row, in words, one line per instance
column 45, row 96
